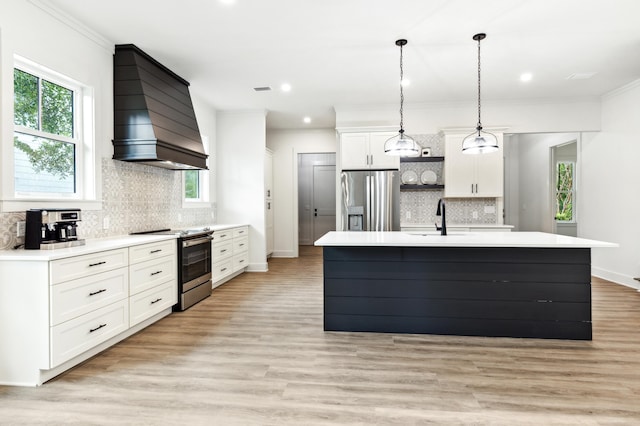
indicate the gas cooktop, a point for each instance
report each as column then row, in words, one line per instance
column 182, row 233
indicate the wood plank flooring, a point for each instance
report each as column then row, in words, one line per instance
column 255, row 353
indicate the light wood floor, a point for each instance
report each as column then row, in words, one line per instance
column 255, row 353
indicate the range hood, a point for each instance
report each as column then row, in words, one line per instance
column 154, row 120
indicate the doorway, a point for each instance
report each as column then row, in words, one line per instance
column 531, row 182
column 316, row 196
column 564, row 160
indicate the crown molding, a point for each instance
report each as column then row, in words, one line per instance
column 620, row 90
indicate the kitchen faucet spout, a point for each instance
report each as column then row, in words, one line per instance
column 441, row 211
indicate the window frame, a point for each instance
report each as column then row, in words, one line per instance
column 204, row 196
column 83, row 139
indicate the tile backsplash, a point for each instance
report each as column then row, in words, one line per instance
column 419, row 207
column 135, row 197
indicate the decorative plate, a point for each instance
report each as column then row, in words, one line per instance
column 409, row 177
column 428, row 177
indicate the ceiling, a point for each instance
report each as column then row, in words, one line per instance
column 343, row 53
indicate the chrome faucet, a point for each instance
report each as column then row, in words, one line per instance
column 441, row 211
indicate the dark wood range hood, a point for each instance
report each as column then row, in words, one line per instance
column 154, row 120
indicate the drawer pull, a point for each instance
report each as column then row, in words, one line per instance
column 223, row 235
column 96, row 264
column 223, row 269
column 222, row 251
column 155, row 251
column 156, row 301
column 93, row 293
column 240, row 232
column 156, row 273
column 97, row 328
column 241, row 261
column 241, row 244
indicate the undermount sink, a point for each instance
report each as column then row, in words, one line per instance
column 435, row 234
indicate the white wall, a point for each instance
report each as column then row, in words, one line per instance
column 534, row 210
column 515, row 116
column 610, row 196
column 286, row 145
column 240, row 151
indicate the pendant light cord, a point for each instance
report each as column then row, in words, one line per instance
column 479, row 123
column 401, row 93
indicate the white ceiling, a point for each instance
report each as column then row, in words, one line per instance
column 343, row 53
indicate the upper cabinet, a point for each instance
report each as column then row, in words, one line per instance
column 469, row 175
column 365, row 151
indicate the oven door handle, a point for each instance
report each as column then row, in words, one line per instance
column 189, row 243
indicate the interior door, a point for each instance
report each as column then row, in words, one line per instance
column 324, row 200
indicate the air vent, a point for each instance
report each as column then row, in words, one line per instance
column 262, row 89
column 581, row 75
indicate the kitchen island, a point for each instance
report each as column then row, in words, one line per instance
column 507, row 284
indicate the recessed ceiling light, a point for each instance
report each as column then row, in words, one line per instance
column 527, row 76
column 285, row 87
column 405, row 82
column 307, row 120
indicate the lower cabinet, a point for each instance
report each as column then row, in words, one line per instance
column 230, row 253
column 60, row 312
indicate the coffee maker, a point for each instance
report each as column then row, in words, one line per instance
column 52, row 228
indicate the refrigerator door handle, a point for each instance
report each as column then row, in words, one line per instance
column 368, row 195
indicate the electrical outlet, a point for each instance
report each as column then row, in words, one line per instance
column 408, row 215
column 474, row 214
column 105, row 222
column 179, row 217
column 21, row 228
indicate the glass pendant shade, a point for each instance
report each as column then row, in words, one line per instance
column 401, row 145
column 480, row 142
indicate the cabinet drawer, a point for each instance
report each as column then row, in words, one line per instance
column 145, row 275
column 78, row 297
column 150, row 302
column 240, row 245
column 81, row 266
column 222, row 235
column 73, row 337
column 222, row 269
column 222, row 250
column 150, row 251
column 240, row 261
column 243, row 231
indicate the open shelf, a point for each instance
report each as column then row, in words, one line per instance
column 421, row 159
column 405, row 187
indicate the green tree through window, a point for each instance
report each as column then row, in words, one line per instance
column 565, row 191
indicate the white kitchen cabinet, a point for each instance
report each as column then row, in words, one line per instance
column 230, row 253
column 472, row 175
column 153, row 279
column 60, row 310
column 365, row 151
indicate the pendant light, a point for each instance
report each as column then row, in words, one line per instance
column 479, row 142
column 401, row 144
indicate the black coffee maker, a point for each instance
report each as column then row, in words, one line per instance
column 52, row 228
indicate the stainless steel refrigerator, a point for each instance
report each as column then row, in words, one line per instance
column 370, row 200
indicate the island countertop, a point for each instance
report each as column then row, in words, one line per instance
column 464, row 239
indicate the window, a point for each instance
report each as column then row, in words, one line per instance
column 50, row 151
column 565, row 191
column 196, row 184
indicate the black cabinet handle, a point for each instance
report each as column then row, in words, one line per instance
column 156, row 301
column 93, row 293
column 155, row 251
column 241, row 261
column 223, row 250
column 96, row 264
column 223, row 269
column 97, row 328
column 156, row 273
column 223, row 235
column 240, row 245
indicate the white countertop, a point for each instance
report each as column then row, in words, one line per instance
column 455, row 239
column 409, row 226
column 94, row 245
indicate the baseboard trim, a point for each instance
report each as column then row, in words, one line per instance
column 615, row 277
column 284, row 253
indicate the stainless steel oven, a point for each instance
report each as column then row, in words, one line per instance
column 194, row 276
column 194, row 264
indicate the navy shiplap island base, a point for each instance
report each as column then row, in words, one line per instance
column 500, row 284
